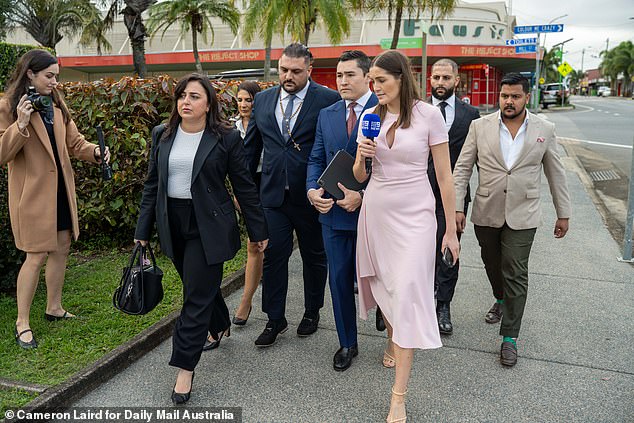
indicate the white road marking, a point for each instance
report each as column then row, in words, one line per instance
column 606, row 144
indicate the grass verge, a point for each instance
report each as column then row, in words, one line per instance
column 66, row 347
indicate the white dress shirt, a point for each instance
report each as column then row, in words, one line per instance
column 297, row 104
column 450, row 109
column 511, row 147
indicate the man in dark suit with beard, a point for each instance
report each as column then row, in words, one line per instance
column 458, row 116
column 283, row 124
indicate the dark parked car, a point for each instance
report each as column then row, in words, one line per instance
column 551, row 94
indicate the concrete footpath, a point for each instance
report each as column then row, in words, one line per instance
column 576, row 349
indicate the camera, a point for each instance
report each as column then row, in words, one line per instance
column 39, row 102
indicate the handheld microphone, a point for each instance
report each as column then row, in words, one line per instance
column 106, row 170
column 370, row 128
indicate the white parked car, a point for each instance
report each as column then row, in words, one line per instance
column 604, row 92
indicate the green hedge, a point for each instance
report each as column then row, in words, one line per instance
column 127, row 110
column 9, row 55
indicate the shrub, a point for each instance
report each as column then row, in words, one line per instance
column 9, row 55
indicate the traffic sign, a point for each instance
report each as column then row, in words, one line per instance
column 525, row 49
column 521, row 41
column 564, row 69
column 414, row 42
column 542, row 80
column 531, row 29
column 558, row 53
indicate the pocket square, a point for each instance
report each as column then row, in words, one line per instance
column 540, row 139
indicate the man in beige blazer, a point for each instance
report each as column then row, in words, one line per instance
column 510, row 148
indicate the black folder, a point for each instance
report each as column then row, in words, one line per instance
column 339, row 170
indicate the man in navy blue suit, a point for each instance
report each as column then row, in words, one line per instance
column 283, row 124
column 337, row 130
column 458, row 116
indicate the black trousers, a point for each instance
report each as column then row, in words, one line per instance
column 281, row 222
column 505, row 254
column 203, row 306
column 446, row 277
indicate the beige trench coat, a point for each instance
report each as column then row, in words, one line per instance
column 33, row 176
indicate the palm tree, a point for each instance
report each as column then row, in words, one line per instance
column 5, row 7
column 133, row 21
column 624, row 64
column 302, row 16
column 48, row 21
column 412, row 8
column 262, row 18
column 608, row 67
column 194, row 16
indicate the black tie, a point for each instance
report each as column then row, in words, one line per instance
column 443, row 105
column 286, row 119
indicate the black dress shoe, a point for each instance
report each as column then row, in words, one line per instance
column 444, row 318
column 241, row 322
column 212, row 345
column 272, row 329
column 52, row 318
column 308, row 325
column 178, row 398
column 508, row 354
column 494, row 315
column 380, row 323
column 26, row 345
column 343, row 358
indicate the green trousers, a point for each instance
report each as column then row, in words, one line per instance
column 505, row 254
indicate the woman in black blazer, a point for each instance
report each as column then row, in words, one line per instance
column 185, row 194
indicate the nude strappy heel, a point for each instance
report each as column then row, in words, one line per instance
column 404, row 417
column 388, row 361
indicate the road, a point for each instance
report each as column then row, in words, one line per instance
column 599, row 133
column 606, row 123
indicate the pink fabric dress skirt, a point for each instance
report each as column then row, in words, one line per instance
column 396, row 240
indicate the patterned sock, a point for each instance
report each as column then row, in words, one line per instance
column 499, row 301
column 509, row 339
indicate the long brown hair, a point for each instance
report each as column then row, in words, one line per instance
column 36, row 60
column 216, row 122
column 397, row 64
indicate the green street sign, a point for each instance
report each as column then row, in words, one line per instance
column 558, row 54
column 402, row 43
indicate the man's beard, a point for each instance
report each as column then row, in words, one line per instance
column 516, row 114
column 448, row 93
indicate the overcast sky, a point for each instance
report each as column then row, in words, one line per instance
column 589, row 23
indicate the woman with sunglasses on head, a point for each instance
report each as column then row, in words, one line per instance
column 253, row 272
column 185, row 194
column 37, row 139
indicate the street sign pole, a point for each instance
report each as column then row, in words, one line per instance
column 536, row 86
column 627, row 236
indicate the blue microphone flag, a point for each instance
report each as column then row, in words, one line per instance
column 370, row 125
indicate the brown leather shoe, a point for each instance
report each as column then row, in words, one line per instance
column 508, row 354
column 494, row 315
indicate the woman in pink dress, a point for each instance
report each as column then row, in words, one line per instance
column 397, row 225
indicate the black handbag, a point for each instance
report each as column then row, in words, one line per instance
column 140, row 288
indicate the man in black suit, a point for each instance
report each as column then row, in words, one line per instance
column 283, row 124
column 458, row 116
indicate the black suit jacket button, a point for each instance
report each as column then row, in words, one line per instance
column 214, row 213
column 209, row 188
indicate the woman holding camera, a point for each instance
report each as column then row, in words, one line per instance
column 185, row 194
column 37, row 138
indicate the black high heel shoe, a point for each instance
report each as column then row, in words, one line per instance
column 209, row 345
column 241, row 322
column 178, row 398
column 26, row 345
